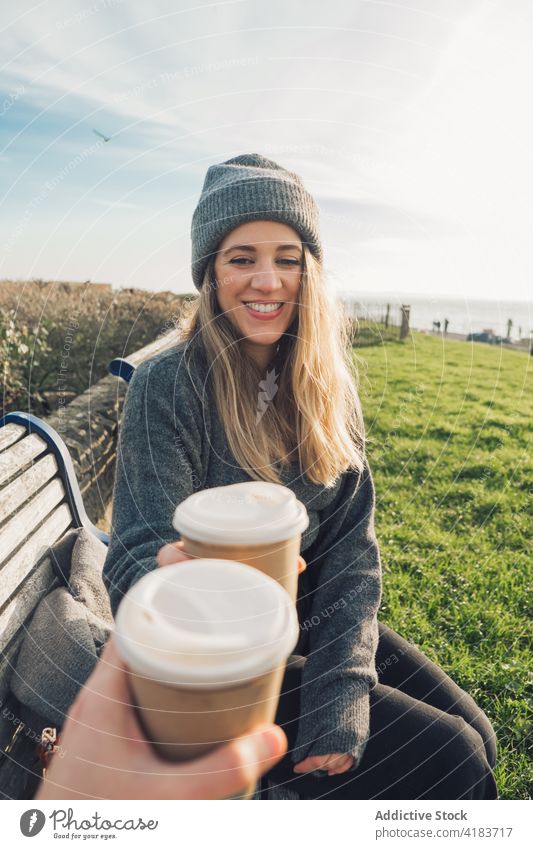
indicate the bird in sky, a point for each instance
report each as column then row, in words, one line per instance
column 105, row 138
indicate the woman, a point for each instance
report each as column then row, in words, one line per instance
column 261, row 387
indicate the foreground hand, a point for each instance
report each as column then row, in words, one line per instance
column 334, row 764
column 173, row 553
column 104, row 755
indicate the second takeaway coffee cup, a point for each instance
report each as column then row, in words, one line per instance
column 255, row 522
column 205, row 643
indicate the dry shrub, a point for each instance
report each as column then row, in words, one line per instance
column 71, row 332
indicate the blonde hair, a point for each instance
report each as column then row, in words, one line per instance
column 307, row 408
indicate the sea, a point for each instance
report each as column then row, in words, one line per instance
column 465, row 316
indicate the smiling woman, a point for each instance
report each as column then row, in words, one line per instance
column 299, row 350
column 255, row 239
column 265, row 328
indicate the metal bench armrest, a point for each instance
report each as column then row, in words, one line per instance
column 66, row 467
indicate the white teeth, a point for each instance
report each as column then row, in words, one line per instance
column 264, row 307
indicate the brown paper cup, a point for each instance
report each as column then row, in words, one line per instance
column 184, row 724
column 278, row 560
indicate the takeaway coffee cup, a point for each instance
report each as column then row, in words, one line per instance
column 205, row 643
column 254, row 522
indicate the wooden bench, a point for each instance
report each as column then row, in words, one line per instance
column 39, row 502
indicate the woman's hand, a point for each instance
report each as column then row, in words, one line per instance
column 173, row 553
column 105, row 755
column 334, row 764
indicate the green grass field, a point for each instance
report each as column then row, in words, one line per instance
column 448, row 425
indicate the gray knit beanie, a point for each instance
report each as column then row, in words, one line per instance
column 249, row 187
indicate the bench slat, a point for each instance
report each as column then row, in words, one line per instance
column 19, row 455
column 17, row 529
column 18, row 567
column 10, row 433
column 17, row 492
column 14, row 616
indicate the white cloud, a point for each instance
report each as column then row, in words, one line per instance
column 409, row 125
column 115, row 204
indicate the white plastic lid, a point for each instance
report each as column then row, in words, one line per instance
column 252, row 512
column 205, row 623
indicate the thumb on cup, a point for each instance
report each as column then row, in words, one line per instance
column 231, row 768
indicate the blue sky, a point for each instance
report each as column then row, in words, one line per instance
column 410, row 124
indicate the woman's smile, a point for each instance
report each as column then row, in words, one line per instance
column 264, row 310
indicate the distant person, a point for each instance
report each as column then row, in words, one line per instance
column 265, row 317
column 446, row 325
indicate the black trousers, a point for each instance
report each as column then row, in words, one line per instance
column 428, row 738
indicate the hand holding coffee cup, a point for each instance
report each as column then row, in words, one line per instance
column 112, row 759
column 205, row 643
column 254, row 522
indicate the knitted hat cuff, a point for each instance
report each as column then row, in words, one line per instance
column 232, row 196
